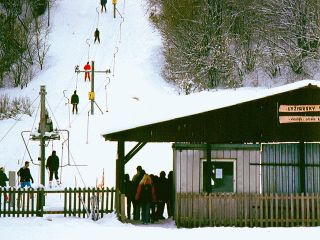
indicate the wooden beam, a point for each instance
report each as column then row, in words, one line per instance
column 133, row 151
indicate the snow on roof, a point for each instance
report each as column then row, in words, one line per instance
column 166, row 108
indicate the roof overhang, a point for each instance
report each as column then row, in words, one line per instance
column 252, row 121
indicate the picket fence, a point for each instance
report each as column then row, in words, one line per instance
column 247, row 210
column 80, row 202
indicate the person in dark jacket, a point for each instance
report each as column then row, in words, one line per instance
column 135, row 182
column 96, row 35
column 129, row 193
column 3, row 180
column 3, row 177
column 103, row 5
column 146, row 195
column 53, row 166
column 74, row 102
column 162, row 194
column 170, row 194
column 25, row 176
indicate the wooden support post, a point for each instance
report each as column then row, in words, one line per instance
column 119, row 175
column 92, row 87
column 302, row 167
column 114, row 2
column 208, row 171
column 121, row 162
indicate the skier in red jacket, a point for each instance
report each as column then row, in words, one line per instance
column 87, row 68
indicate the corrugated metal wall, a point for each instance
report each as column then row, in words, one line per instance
column 277, row 172
column 188, row 165
column 273, row 171
column 280, row 167
column 312, row 156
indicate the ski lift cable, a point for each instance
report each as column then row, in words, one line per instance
column 80, row 59
column 114, row 40
column 64, row 139
column 83, row 109
column 123, row 6
column 17, row 120
column 72, row 77
column 35, row 118
column 97, row 10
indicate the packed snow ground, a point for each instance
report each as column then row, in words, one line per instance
column 136, row 90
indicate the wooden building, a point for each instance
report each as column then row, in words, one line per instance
column 252, row 162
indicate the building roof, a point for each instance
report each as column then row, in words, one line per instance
column 222, row 116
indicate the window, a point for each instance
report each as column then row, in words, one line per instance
column 223, row 174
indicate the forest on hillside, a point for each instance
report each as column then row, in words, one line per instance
column 212, row 44
column 23, row 40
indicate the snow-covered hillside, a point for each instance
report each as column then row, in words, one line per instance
column 131, row 49
column 136, row 89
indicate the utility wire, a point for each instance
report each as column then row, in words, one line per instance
column 75, row 164
column 30, row 131
column 5, row 135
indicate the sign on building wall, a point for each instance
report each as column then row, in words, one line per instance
column 299, row 108
column 302, row 113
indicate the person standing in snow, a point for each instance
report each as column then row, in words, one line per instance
column 96, row 35
column 103, row 5
column 87, row 69
column 53, row 166
column 162, row 194
column 146, row 195
column 74, row 102
column 25, row 175
column 135, row 182
column 3, row 179
column 129, row 193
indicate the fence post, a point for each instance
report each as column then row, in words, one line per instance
column 65, row 203
column 318, row 209
column 40, row 199
column 28, row 201
column 177, row 212
column 19, row 201
column 12, row 202
column 123, row 212
column 23, row 201
column 103, row 192
column 73, row 195
column 312, row 209
column 308, row 209
column 79, row 201
column 70, row 210
column 302, row 209
column 4, row 205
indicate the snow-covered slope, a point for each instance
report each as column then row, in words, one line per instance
column 131, row 49
column 136, row 74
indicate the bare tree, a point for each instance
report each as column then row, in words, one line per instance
column 41, row 44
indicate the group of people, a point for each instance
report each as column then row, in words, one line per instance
column 24, row 174
column 148, row 195
column 52, row 165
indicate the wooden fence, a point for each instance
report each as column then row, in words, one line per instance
column 247, row 210
column 79, row 202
